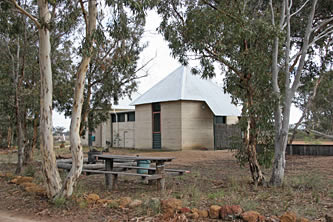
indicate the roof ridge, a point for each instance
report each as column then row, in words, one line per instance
column 183, row 85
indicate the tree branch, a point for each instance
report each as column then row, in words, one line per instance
column 84, row 13
column 298, row 10
column 225, row 62
column 304, row 47
column 24, row 12
column 307, row 107
column 321, row 134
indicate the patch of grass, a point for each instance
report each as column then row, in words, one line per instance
column 83, row 204
column 216, row 195
column 151, row 207
column 306, row 182
column 29, row 171
column 194, row 195
column 60, row 202
column 113, row 204
column 248, row 204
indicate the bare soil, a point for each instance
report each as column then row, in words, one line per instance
column 215, row 178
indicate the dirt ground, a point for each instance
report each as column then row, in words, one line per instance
column 215, row 178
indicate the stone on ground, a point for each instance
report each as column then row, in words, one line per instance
column 288, row 217
column 135, row 203
column 169, row 206
column 214, row 211
column 124, row 202
column 203, row 213
column 92, row 198
column 250, row 216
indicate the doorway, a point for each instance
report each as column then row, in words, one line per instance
column 157, row 143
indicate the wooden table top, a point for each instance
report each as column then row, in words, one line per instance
column 124, row 157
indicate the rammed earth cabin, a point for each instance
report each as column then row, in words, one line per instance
column 182, row 111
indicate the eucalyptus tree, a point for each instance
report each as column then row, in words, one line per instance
column 18, row 41
column 314, row 96
column 301, row 27
column 45, row 22
column 228, row 33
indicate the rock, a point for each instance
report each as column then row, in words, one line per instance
column 185, row 210
column 169, row 206
column 236, row 210
column 28, row 184
column 329, row 217
column 261, row 218
column 302, row 219
column 288, row 217
column 250, row 216
column 102, row 201
column 214, row 211
column 124, row 202
column 92, row 198
column 19, row 180
column 203, row 213
column 39, row 190
column 135, row 203
column 225, row 211
column 194, row 215
column 13, row 181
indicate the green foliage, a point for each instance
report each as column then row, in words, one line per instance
column 29, row 171
column 60, row 202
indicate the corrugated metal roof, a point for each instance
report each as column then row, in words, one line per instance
column 181, row 84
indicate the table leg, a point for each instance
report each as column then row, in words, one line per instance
column 108, row 177
column 160, row 171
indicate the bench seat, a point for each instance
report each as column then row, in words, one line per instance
column 148, row 176
column 154, row 169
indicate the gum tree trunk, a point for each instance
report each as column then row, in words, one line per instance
column 251, row 143
column 9, row 137
column 283, row 103
column 76, row 147
column 28, row 154
column 50, row 170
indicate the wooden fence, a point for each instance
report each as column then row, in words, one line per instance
column 310, row 149
column 225, row 135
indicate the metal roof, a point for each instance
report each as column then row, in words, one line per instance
column 181, row 84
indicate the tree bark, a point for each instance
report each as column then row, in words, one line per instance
column 28, row 154
column 251, row 143
column 9, row 137
column 76, row 147
column 49, row 167
column 86, row 110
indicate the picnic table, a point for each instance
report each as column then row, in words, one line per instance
column 155, row 173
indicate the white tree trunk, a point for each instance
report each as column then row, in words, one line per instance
column 76, row 147
column 284, row 103
column 50, row 170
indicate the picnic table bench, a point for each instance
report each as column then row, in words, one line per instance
column 111, row 176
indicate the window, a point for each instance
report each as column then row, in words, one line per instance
column 221, row 119
column 156, row 107
column 121, row 117
column 131, row 117
column 156, row 122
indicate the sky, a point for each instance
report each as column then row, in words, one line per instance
column 162, row 64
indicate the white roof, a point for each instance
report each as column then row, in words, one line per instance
column 181, row 84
